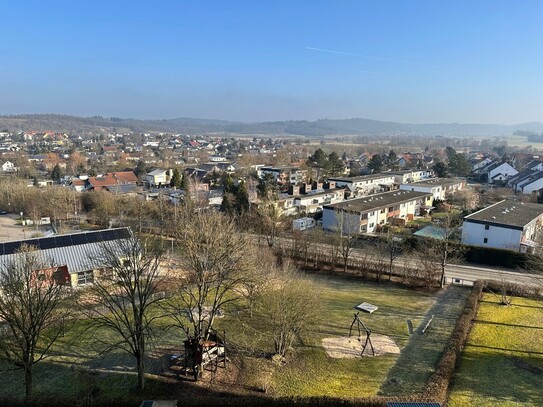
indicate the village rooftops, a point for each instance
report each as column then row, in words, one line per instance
column 507, row 213
column 362, row 177
column 372, row 202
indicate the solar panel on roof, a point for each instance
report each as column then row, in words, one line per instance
column 63, row 240
column 11, row 247
column 47, row 243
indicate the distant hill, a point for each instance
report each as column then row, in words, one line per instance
column 317, row 128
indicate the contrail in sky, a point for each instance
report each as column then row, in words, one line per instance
column 364, row 56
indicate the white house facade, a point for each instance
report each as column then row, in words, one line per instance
column 505, row 225
column 366, row 215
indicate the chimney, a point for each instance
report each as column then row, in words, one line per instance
column 305, row 188
column 331, row 185
column 294, row 190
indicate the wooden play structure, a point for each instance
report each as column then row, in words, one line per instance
column 200, row 355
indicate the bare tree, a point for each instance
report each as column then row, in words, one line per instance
column 126, row 291
column 345, row 237
column 290, row 306
column 33, row 307
column 391, row 246
column 270, row 221
column 445, row 249
column 215, row 262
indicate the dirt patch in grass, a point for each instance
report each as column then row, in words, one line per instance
column 340, row 347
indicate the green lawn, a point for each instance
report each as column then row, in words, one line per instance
column 309, row 371
column 502, row 364
column 77, row 365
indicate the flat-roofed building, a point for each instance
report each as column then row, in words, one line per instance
column 440, row 188
column 505, row 225
column 365, row 184
column 366, row 215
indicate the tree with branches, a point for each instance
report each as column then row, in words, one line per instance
column 126, row 292
column 216, row 261
column 33, row 309
column 290, row 307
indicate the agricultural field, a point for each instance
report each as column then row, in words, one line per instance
column 502, row 363
column 79, row 367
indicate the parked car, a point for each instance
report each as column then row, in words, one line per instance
column 3, row 212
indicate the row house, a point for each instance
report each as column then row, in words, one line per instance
column 365, row 184
column 369, row 214
column 440, row 188
column 406, row 176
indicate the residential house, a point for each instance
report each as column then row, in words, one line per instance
column 158, row 177
column 369, row 214
column 284, row 175
column 365, row 184
column 8, row 166
column 75, row 257
column 496, row 172
column 405, row 176
column 505, row 225
column 440, row 188
column 121, row 182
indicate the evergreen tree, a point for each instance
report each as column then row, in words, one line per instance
column 440, row 169
column 176, row 182
column 56, row 174
column 376, row 163
column 242, row 197
column 335, row 165
column 140, row 169
column 184, row 183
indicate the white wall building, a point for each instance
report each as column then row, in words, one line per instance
column 366, row 184
column 440, row 188
column 366, row 215
column 303, row 223
column 404, row 177
column 505, row 225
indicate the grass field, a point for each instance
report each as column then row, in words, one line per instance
column 77, row 365
column 310, row 372
column 502, row 364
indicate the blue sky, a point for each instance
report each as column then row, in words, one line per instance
column 409, row 61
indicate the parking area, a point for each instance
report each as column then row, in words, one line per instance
column 9, row 230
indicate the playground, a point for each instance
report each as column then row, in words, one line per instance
column 325, row 361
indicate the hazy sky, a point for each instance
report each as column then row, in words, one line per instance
column 410, row 61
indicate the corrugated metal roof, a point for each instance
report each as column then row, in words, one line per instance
column 78, row 251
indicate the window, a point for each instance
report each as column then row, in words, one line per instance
column 391, row 209
column 487, row 227
column 382, row 211
column 85, row 277
column 485, row 240
column 364, row 216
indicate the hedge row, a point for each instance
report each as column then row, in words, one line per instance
column 438, row 385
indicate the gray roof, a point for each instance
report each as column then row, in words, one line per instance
column 437, row 182
column 78, row 251
column 372, row 202
column 156, row 172
column 507, row 213
column 362, row 177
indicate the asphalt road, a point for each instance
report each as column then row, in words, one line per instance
column 454, row 273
